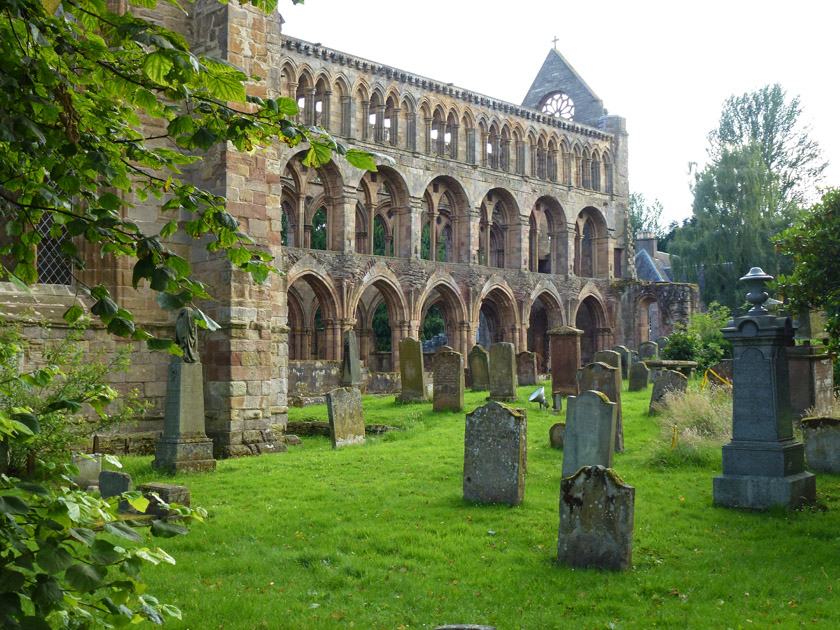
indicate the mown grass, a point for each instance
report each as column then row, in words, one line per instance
column 378, row 536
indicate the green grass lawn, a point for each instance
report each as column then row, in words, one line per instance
column 378, row 536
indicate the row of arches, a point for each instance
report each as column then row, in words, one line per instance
column 385, row 116
column 442, row 225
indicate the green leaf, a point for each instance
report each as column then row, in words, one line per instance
column 181, row 266
column 123, row 531
column 11, row 581
column 138, row 502
column 143, row 268
column 73, row 313
column 28, row 420
column 172, row 302
column 156, row 66
column 225, row 87
column 121, row 327
column 53, row 559
column 84, row 578
column 181, row 125
column 11, row 504
column 155, row 344
column 105, row 308
column 204, row 321
column 169, row 229
column 83, row 535
column 204, row 138
column 239, row 256
column 103, row 552
column 33, row 488
column 47, row 591
column 288, row 106
column 162, row 529
column 361, row 159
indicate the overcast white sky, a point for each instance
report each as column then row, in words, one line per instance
column 666, row 67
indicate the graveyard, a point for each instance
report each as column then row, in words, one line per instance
column 379, row 536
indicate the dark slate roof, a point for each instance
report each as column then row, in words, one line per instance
column 652, row 269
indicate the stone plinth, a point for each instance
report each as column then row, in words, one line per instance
column 479, row 361
column 590, row 432
column 822, row 443
column 565, row 360
column 160, row 493
column 502, row 372
column 811, row 380
column 596, row 520
column 495, row 453
column 347, row 423
column 412, row 376
column 184, row 446
column 763, row 465
column 526, row 368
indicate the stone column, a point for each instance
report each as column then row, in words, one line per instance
column 428, row 135
column 346, row 116
column 365, row 135
column 379, row 125
column 763, row 465
column 326, row 123
column 470, row 146
column 395, row 127
column 411, row 131
column 342, row 228
column 309, row 106
column 565, row 361
column 433, row 235
column 453, row 143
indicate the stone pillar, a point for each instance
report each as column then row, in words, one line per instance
column 394, row 132
column 326, row 123
column 763, row 465
column 365, row 120
column 341, row 230
column 411, row 131
column 565, row 361
column 379, row 125
column 453, row 143
column 309, row 106
column 811, row 380
column 433, row 235
column 346, row 116
column 428, row 135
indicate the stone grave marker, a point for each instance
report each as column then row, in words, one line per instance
column 351, row 371
column 557, row 434
column 90, row 467
column 565, row 361
column 448, row 393
column 822, row 443
column 167, row 492
column 495, row 454
column 626, row 360
column 648, row 350
column 590, row 432
column 347, row 423
column 596, row 520
column 502, row 372
column 526, row 368
column 412, row 376
column 610, row 357
column 113, row 484
column 639, row 377
column 661, row 342
column 479, row 361
column 666, row 381
column 606, row 379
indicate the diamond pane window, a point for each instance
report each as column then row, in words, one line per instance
column 53, row 265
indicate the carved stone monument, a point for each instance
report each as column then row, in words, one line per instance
column 412, row 376
column 479, row 361
column 351, row 371
column 590, row 432
column 448, row 384
column 347, row 423
column 184, row 446
column 526, row 368
column 606, row 379
column 763, row 465
column 565, row 361
column 502, row 372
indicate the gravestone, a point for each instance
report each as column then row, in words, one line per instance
column 661, row 342
column 639, row 377
column 90, row 466
column 351, row 371
column 448, row 392
column 502, row 372
column 610, row 357
column 347, row 423
column 526, row 368
column 590, row 432
column 412, row 376
column 495, row 454
column 648, row 350
column 160, row 495
column 626, row 360
column 666, row 381
column 113, row 484
column 607, row 380
column 596, row 520
column 763, row 465
column 557, row 434
column 822, row 443
column 722, row 370
column 479, row 361
column 811, row 380
column 565, row 361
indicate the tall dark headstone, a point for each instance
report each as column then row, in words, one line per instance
column 412, row 376
column 448, row 384
column 763, row 465
column 502, row 372
column 606, row 379
column 590, row 432
column 526, row 368
column 351, row 372
column 479, row 361
column 626, row 359
column 610, row 357
column 565, row 361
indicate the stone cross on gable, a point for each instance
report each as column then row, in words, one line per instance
column 554, row 41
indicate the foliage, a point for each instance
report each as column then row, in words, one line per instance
column 708, row 327
column 68, row 382
column 379, row 242
column 813, row 242
column 318, row 235
column 426, row 245
column 646, row 217
column 381, row 328
column 433, row 324
column 771, row 121
column 77, row 82
column 685, row 344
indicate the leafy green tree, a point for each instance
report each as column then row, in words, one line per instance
column 770, row 120
column 433, row 324
column 813, row 243
column 382, row 328
column 318, row 235
column 646, row 217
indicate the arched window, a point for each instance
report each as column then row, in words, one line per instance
column 383, row 244
column 318, row 233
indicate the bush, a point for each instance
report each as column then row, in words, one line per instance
column 683, row 345
column 702, row 340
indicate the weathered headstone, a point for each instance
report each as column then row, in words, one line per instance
column 661, row 342
column 184, row 446
column 113, row 484
column 607, row 380
column 763, row 465
column 479, row 361
column 347, row 423
column 722, row 370
column 648, row 350
column 159, row 494
column 448, row 380
column 610, row 357
column 666, row 381
column 626, row 360
column 811, row 380
column 351, row 371
column 557, row 434
column 526, row 368
column 639, row 377
column 565, row 361
column 596, row 520
column 89, row 468
column 412, row 376
column 502, row 372
column 495, row 454
column 590, row 432
column 822, row 443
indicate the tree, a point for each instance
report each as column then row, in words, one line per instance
column 813, row 243
column 644, row 216
column 767, row 119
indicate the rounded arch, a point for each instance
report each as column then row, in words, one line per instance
column 446, row 204
column 500, row 236
column 443, row 292
column 314, row 313
column 543, row 312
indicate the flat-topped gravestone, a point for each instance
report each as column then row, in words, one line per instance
column 347, row 423
column 557, row 434
column 565, row 361
column 822, row 443
column 495, row 453
column 590, row 432
column 648, row 350
column 763, row 465
column 666, row 381
column 626, row 359
column 412, row 376
column 596, row 520
column 351, row 371
column 610, row 357
column 526, row 368
column 639, row 377
column 606, row 379
column 479, row 361
column 448, row 390
column 113, row 484
column 502, row 372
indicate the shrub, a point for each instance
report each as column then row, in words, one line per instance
column 683, row 345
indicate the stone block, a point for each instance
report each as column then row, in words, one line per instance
column 167, row 493
column 822, row 443
column 347, row 424
column 639, row 377
column 90, row 467
column 113, row 484
column 479, row 361
column 495, row 454
column 596, row 520
column 448, row 381
column 502, row 372
column 590, row 432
